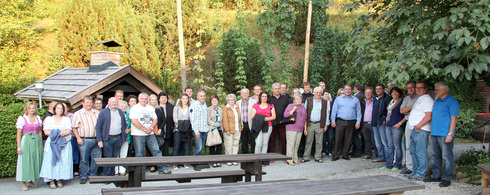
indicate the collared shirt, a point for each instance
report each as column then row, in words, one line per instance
column 245, row 110
column 316, row 111
column 115, row 128
column 442, row 112
column 85, row 122
column 422, row 105
column 346, row 108
column 368, row 112
column 409, row 101
column 199, row 117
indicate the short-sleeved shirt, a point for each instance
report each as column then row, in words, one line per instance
column 85, row 122
column 422, row 105
column 409, row 101
column 144, row 115
column 64, row 125
column 21, row 121
column 266, row 112
column 442, row 112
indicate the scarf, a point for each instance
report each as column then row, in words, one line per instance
column 391, row 107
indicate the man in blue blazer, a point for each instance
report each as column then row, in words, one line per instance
column 110, row 132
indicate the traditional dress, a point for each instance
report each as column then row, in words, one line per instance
column 29, row 162
column 62, row 169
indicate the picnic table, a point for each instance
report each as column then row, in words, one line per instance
column 485, row 176
column 376, row 184
column 250, row 163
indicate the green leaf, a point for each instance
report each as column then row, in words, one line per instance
column 484, row 43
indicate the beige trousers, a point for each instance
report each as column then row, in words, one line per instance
column 231, row 142
column 314, row 131
column 292, row 141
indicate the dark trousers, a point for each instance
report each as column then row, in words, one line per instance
column 217, row 150
column 343, row 137
column 328, row 136
column 111, row 150
column 281, row 130
column 368, row 134
column 356, row 142
column 247, row 138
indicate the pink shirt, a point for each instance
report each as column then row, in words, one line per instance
column 266, row 111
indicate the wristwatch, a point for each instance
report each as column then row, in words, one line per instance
column 449, row 134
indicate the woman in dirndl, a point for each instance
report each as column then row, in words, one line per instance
column 29, row 146
column 58, row 158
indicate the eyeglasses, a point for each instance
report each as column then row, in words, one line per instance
column 420, row 87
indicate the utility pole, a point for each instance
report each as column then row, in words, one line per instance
column 181, row 45
column 307, row 44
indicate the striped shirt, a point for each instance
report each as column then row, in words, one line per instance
column 85, row 122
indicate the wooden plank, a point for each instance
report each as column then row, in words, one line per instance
column 484, row 167
column 378, row 184
column 119, row 191
column 171, row 160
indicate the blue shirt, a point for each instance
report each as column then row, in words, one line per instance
column 441, row 115
column 346, row 108
column 316, row 111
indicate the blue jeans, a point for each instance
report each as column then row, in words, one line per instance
column 394, row 137
column 88, row 151
column 380, row 141
column 445, row 150
column 111, row 149
column 178, row 144
column 200, row 143
column 418, row 148
column 328, row 136
column 151, row 142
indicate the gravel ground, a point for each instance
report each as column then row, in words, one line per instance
column 278, row 170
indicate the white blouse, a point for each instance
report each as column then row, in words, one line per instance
column 21, row 122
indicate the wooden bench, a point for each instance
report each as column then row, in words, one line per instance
column 231, row 176
column 485, row 176
column 377, row 184
column 251, row 164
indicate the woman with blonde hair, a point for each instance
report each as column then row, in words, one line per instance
column 29, row 146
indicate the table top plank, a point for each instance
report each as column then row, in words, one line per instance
column 379, row 184
column 484, row 167
column 170, row 160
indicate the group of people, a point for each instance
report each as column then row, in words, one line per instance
column 374, row 125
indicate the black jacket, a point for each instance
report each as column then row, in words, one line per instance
column 362, row 100
column 258, row 124
column 166, row 120
column 184, row 126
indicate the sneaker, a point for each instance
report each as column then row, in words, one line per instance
column 330, row 155
column 384, row 168
column 366, row 157
column 415, row 178
column 430, row 179
column 186, row 166
column 444, row 183
column 395, row 169
column 378, row 160
column 405, row 171
column 407, row 175
column 83, row 181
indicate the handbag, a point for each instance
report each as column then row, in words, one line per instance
column 290, row 120
column 213, row 138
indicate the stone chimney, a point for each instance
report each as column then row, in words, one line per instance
column 100, row 60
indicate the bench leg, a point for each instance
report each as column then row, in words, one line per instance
column 229, row 179
column 484, row 179
column 252, row 168
column 135, row 176
column 258, row 176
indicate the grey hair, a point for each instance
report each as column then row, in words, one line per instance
column 230, row 96
column 276, row 84
column 317, row 88
column 443, row 85
column 296, row 96
column 201, row 91
column 244, row 90
column 142, row 94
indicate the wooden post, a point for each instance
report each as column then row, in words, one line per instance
column 181, row 45
column 307, row 44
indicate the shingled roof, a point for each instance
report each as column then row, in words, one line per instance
column 71, row 84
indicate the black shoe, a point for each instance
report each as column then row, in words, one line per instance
column 83, row 181
column 165, row 172
column 444, row 183
column 335, row 158
column 346, row 158
column 430, row 179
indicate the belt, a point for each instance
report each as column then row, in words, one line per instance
column 315, row 122
column 368, row 122
column 345, row 120
column 115, row 135
column 88, row 137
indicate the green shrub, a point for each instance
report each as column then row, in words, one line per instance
column 8, row 117
column 465, row 125
column 467, row 162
